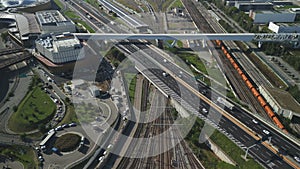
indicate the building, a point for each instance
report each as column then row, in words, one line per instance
column 284, row 27
column 247, row 6
column 94, row 91
column 281, row 101
column 60, row 48
column 264, row 17
column 54, row 21
column 23, row 28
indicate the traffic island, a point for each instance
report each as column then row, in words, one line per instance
column 67, row 143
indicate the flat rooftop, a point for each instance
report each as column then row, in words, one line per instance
column 50, row 17
column 56, row 42
column 284, row 99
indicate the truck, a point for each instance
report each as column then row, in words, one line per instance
column 225, row 103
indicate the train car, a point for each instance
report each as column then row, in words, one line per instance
column 225, row 52
column 278, row 123
column 231, row 61
column 244, row 77
column 235, row 65
column 223, row 48
column 249, row 84
column 239, row 71
column 218, row 42
column 255, row 92
column 269, row 111
column 228, row 56
column 261, row 101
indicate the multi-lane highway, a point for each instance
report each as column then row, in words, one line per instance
column 260, row 152
column 269, row 159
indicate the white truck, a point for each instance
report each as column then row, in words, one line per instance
column 225, row 103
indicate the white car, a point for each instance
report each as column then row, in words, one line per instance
column 204, row 110
column 58, row 128
column 254, row 121
column 297, row 159
column 51, row 131
column 266, row 132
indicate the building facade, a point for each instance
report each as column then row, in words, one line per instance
column 264, row 17
column 284, row 28
column 59, row 49
column 54, row 21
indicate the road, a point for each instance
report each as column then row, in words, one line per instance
column 241, row 115
column 244, row 140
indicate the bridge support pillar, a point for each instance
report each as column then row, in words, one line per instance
column 160, row 43
column 173, row 43
column 204, row 43
column 259, row 44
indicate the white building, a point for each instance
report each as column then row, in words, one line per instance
column 284, row 28
column 61, row 48
column 54, row 21
column 264, row 17
column 281, row 101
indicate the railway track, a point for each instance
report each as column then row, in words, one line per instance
column 242, row 91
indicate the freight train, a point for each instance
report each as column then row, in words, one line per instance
column 249, row 84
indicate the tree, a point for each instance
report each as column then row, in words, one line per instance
column 23, row 136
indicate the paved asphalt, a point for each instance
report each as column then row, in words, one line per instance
column 261, row 153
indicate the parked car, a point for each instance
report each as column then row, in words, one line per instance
column 72, row 124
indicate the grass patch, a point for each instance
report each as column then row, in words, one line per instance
column 35, row 109
column 85, row 25
column 131, row 80
column 70, row 114
column 269, row 74
column 131, row 4
column 67, row 142
column 93, row 2
column 59, row 4
column 265, row 70
column 115, row 56
column 177, row 4
column 71, row 14
column 160, row 5
column 233, row 151
column 88, row 112
column 208, row 158
column 20, row 153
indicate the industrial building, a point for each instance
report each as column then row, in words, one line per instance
column 284, row 27
column 247, row 6
column 264, row 17
column 60, row 48
column 23, row 28
column 281, row 101
column 54, row 21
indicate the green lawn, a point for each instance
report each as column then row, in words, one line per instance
column 208, row 158
column 36, row 108
column 20, row 153
column 59, row 4
column 131, row 81
column 67, row 142
column 84, row 24
column 70, row 115
column 71, row 14
column 177, row 4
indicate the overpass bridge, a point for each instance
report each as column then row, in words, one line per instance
column 16, row 59
column 259, row 37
